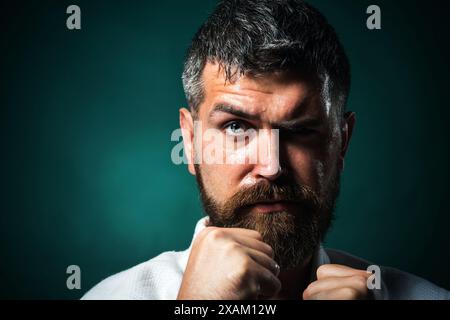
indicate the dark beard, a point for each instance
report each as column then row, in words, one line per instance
column 293, row 236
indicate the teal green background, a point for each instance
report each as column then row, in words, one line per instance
column 86, row 119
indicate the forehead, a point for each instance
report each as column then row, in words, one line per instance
column 275, row 95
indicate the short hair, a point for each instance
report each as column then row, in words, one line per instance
column 264, row 36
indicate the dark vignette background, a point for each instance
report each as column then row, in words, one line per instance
column 86, row 118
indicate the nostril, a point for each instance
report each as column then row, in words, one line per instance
column 271, row 172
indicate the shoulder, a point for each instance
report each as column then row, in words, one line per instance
column 395, row 284
column 157, row 278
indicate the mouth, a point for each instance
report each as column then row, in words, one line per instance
column 273, row 206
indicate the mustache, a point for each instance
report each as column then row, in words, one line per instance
column 267, row 192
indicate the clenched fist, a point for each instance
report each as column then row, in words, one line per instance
column 229, row 263
column 337, row 282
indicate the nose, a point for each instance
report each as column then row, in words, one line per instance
column 268, row 165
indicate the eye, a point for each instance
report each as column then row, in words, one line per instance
column 235, row 128
column 304, row 131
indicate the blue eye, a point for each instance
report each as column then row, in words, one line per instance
column 234, row 128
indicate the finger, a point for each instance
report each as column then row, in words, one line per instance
column 224, row 233
column 356, row 282
column 337, row 270
column 337, row 294
column 264, row 260
column 244, row 232
column 255, row 244
column 246, row 237
column 268, row 284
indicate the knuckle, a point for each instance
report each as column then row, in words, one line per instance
column 232, row 246
column 270, row 251
column 322, row 271
column 214, row 234
column 243, row 271
column 309, row 289
column 306, row 294
column 349, row 293
column 361, row 281
column 205, row 232
column 246, row 267
column 257, row 235
column 202, row 236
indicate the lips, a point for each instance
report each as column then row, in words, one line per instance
column 275, row 206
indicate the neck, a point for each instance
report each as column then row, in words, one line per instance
column 294, row 281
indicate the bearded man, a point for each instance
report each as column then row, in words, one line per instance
column 275, row 67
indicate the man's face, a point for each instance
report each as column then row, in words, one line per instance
column 289, row 195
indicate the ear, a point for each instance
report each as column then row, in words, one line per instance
column 347, row 131
column 187, row 130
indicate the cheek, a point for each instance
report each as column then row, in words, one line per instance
column 301, row 163
column 221, row 181
column 308, row 168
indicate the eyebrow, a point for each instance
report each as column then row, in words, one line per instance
column 295, row 124
column 287, row 125
column 234, row 111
